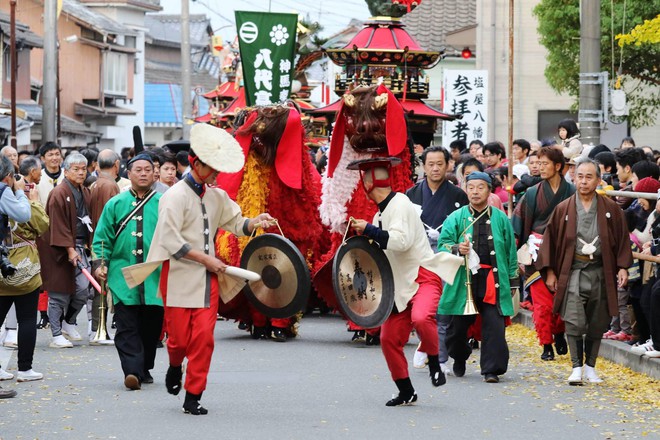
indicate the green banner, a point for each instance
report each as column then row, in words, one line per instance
column 267, row 42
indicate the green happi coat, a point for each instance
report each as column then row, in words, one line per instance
column 129, row 248
column 452, row 301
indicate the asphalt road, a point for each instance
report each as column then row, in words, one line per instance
column 318, row 386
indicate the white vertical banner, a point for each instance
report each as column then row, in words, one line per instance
column 466, row 93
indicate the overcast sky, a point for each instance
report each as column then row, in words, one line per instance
column 334, row 15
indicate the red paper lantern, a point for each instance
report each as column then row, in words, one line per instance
column 466, row 53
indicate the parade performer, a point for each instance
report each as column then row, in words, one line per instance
column 399, row 231
column 484, row 237
column 66, row 253
column 530, row 219
column 122, row 238
column 370, row 123
column 436, row 198
column 585, row 255
column 192, row 276
column 277, row 178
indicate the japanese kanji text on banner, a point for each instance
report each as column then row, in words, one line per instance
column 267, row 43
column 466, row 93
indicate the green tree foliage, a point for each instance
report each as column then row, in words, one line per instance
column 559, row 30
column 308, row 39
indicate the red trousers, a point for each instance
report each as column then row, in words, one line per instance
column 420, row 315
column 42, row 305
column 190, row 335
column 261, row 320
column 546, row 323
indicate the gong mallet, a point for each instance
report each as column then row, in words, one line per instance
column 89, row 276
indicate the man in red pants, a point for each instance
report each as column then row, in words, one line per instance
column 530, row 219
column 192, row 277
column 400, row 232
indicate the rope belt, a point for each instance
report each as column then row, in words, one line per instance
column 21, row 244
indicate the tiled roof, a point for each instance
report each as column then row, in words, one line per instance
column 341, row 38
column 162, row 105
column 155, row 72
column 23, row 32
column 166, row 28
column 69, row 126
column 94, row 20
column 432, row 19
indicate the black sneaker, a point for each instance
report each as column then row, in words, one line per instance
column 259, row 333
column 459, row 368
column 548, row 353
column 278, row 334
column 560, row 344
column 43, row 323
column 243, row 326
column 173, row 379
column 438, row 378
column 358, row 336
column 399, row 400
column 192, row 406
column 147, row 377
column 373, row 340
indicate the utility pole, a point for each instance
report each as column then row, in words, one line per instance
column 49, row 91
column 590, row 93
column 509, row 147
column 185, row 69
column 13, row 65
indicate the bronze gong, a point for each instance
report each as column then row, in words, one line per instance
column 285, row 280
column 363, row 282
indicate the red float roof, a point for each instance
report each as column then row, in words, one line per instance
column 235, row 105
column 332, row 108
column 376, row 35
column 384, row 42
column 225, row 90
column 204, row 118
column 420, row 108
column 304, row 105
column 411, row 106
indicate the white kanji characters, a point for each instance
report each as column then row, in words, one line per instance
column 285, row 82
column 284, row 95
column 263, row 78
column 264, row 57
column 285, row 66
column 262, row 97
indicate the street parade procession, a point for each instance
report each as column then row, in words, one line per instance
column 317, row 199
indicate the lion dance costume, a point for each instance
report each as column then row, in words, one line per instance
column 370, row 123
column 280, row 179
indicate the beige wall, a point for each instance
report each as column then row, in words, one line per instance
column 23, row 76
column 80, row 64
column 531, row 91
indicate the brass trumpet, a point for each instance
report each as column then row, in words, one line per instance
column 470, row 308
column 101, row 337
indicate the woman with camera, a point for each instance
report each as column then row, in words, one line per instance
column 22, row 222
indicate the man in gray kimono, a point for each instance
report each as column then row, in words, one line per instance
column 585, row 254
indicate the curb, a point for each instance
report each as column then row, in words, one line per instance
column 614, row 351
